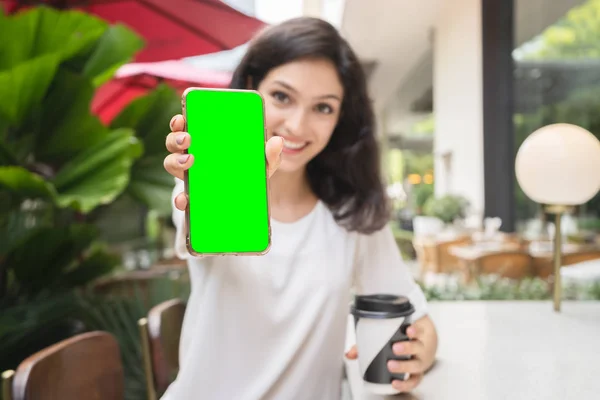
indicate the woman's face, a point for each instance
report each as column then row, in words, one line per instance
column 302, row 105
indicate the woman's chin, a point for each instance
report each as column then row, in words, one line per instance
column 289, row 166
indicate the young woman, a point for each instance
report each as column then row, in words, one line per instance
column 273, row 327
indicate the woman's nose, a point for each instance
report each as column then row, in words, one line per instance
column 296, row 121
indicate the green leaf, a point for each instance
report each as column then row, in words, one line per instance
column 149, row 116
column 17, row 226
column 47, row 31
column 35, row 324
column 25, row 184
column 56, row 251
column 20, row 317
column 114, row 145
column 24, row 86
column 68, row 125
column 97, row 264
column 152, row 185
column 7, row 155
column 117, row 46
column 100, row 173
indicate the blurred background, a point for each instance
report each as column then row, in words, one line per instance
column 87, row 90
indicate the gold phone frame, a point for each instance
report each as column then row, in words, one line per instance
column 188, row 243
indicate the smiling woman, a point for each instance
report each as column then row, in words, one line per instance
column 326, row 78
column 273, row 327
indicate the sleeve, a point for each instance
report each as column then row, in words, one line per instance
column 179, row 222
column 379, row 268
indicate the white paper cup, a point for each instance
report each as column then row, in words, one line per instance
column 380, row 321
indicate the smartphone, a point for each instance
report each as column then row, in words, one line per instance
column 227, row 186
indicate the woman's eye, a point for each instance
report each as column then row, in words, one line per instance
column 324, row 108
column 281, row 97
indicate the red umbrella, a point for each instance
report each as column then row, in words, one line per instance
column 134, row 80
column 172, row 29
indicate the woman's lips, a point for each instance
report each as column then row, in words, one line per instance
column 293, row 146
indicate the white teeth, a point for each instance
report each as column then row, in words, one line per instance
column 293, row 145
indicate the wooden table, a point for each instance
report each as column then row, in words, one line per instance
column 541, row 256
column 508, row 350
column 471, row 252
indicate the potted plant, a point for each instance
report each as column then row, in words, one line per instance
column 446, row 208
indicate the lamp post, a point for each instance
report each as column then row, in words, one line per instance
column 559, row 165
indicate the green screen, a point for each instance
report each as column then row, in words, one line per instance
column 227, row 185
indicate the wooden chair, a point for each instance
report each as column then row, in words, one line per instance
column 434, row 256
column 448, row 263
column 87, row 366
column 513, row 265
column 160, row 333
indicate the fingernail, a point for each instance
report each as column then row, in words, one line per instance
column 410, row 331
column 180, row 138
column 398, row 348
column 392, row 365
column 397, row 385
column 172, row 122
column 182, row 159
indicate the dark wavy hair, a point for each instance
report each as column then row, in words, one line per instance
column 346, row 175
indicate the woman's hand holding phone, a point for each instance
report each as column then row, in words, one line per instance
column 178, row 161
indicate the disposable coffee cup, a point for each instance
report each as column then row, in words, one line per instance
column 380, row 321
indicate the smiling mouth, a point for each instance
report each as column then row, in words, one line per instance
column 293, row 146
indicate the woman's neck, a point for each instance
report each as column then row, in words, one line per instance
column 290, row 195
column 290, row 188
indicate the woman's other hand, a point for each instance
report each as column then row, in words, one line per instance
column 421, row 347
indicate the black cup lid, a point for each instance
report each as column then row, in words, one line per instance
column 384, row 305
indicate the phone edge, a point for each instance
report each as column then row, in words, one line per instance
column 188, row 242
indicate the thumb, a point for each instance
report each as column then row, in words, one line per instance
column 352, row 354
column 273, row 152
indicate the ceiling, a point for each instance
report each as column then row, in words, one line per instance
column 395, row 38
column 393, row 34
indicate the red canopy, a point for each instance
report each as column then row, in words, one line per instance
column 172, row 29
column 134, row 80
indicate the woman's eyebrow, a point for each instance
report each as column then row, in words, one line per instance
column 292, row 89
column 287, row 86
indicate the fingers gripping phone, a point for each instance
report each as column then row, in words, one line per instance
column 228, row 207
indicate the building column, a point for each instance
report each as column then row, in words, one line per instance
column 458, row 88
column 498, row 107
column 473, row 104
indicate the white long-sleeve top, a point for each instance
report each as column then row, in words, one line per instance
column 274, row 326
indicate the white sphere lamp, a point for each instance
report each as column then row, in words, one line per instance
column 558, row 165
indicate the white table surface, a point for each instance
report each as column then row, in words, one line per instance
column 508, row 351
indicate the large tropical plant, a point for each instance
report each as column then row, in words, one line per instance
column 147, row 197
column 58, row 163
column 67, row 182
